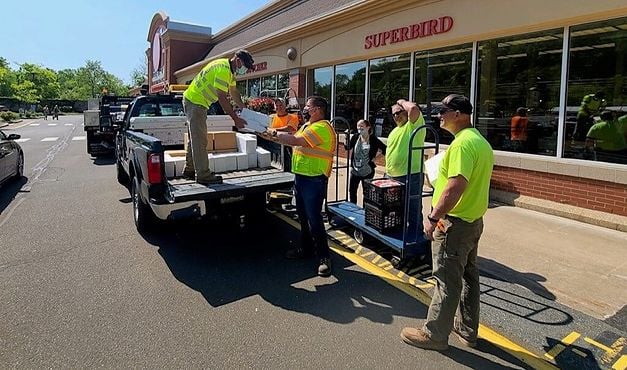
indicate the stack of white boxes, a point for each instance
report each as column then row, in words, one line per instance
column 247, row 156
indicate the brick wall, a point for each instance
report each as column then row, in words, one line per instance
column 586, row 193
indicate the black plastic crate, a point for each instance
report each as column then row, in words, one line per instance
column 384, row 192
column 383, row 219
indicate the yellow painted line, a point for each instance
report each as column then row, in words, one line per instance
column 597, row 344
column 485, row 332
column 558, row 348
column 617, row 348
column 621, row 364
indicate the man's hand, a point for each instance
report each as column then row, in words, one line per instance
column 429, row 228
column 240, row 123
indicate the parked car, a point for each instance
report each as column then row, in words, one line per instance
column 11, row 157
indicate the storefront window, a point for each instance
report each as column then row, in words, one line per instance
column 596, row 112
column 242, row 87
column 350, row 86
column 321, row 82
column 268, row 86
column 283, row 84
column 438, row 73
column 254, row 87
column 389, row 81
column 518, row 92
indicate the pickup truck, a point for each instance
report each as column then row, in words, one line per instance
column 100, row 120
column 152, row 129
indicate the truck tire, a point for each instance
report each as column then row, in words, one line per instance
column 143, row 217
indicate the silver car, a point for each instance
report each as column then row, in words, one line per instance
column 11, row 158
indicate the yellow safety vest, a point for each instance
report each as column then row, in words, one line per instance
column 317, row 159
column 214, row 76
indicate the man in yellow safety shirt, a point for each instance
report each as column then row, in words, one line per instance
column 455, row 224
column 313, row 145
column 211, row 85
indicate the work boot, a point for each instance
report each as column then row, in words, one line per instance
column 189, row 175
column 418, row 338
column 465, row 340
column 213, row 179
column 324, row 269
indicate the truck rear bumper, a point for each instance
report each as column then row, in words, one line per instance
column 175, row 211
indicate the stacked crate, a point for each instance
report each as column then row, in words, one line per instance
column 384, row 203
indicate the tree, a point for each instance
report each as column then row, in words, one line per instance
column 93, row 81
column 139, row 74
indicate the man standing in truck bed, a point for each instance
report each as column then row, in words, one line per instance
column 209, row 86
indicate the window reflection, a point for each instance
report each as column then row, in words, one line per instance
column 253, row 87
column 438, row 73
column 350, row 84
column 596, row 112
column 268, row 86
column 321, row 82
column 389, row 81
column 518, row 92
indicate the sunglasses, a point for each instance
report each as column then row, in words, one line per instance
column 396, row 114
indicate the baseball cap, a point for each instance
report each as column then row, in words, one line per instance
column 246, row 58
column 458, row 102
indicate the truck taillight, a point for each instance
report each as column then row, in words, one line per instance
column 154, row 169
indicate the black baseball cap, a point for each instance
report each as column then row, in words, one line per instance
column 246, row 58
column 458, row 102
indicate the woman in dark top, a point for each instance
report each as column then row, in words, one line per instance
column 364, row 146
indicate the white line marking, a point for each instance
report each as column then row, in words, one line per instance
column 52, row 124
column 68, row 124
column 22, row 140
column 50, row 139
column 76, row 138
column 34, row 124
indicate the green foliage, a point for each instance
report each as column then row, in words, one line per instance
column 31, row 83
column 9, row 116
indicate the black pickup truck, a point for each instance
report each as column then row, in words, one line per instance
column 152, row 127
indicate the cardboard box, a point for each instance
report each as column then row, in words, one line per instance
column 224, row 141
column 209, row 141
column 263, row 158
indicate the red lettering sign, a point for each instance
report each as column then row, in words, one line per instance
column 258, row 67
column 427, row 28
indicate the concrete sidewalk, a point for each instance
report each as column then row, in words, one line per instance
column 579, row 265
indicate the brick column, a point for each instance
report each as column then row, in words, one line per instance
column 297, row 83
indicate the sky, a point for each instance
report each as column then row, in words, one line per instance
column 65, row 33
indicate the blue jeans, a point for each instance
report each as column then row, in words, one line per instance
column 310, row 193
column 415, row 206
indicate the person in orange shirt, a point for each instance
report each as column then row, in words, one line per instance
column 282, row 120
column 519, row 130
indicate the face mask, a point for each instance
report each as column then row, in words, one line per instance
column 306, row 114
column 362, row 131
column 241, row 70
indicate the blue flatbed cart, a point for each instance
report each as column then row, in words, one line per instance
column 344, row 212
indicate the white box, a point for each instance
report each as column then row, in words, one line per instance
column 225, row 162
column 252, row 159
column 242, row 161
column 179, row 165
column 263, row 158
column 219, row 123
column 246, row 143
column 170, row 168
column 255, row 121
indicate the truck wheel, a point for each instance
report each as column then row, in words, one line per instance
column 142, row 214
column 122, row 176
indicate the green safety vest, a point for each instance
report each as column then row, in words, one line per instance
column 216, row 75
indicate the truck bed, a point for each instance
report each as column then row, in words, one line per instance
column 235, row 183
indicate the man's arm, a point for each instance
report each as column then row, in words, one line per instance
column 291, row 140
column 453, row 191
column 413, row 113
column 237, row 97
column 228, row 109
